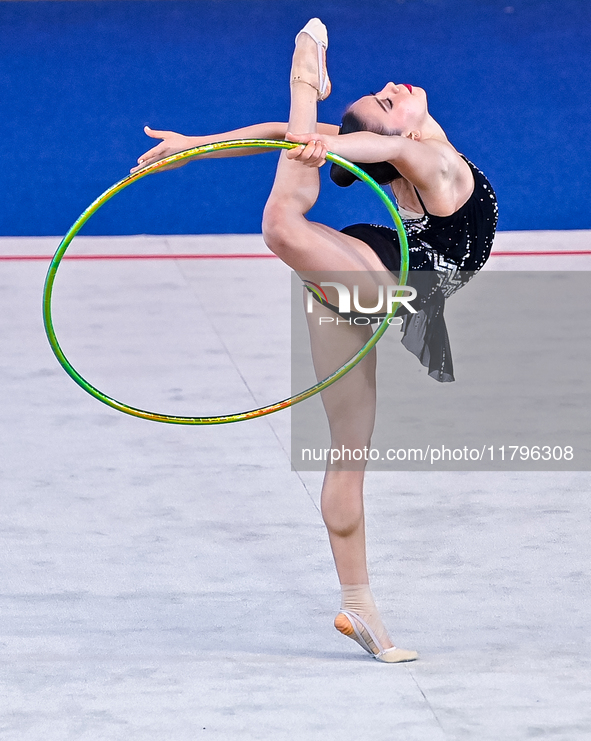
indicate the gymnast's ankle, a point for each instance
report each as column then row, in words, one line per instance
column 358, row 599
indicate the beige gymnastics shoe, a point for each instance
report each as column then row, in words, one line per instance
column 312, row 72
column 350, row 624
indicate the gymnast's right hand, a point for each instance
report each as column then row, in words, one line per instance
column 171, row 144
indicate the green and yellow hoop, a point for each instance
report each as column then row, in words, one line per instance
column 222, row 419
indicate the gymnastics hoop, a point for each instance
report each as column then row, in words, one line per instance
column 223, row 419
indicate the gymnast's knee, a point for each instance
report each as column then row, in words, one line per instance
column 277, row 233
column 343, row 521
column 284, row 229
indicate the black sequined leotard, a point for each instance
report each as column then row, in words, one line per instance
column 444, row 254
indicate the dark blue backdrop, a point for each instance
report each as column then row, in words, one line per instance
column 510, row 85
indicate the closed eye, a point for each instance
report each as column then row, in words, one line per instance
column 381, row 103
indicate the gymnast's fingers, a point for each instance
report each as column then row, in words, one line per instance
column 294, row 153
column 153, row 155
column 142, row 162
column 300, row 138
column 308, row 152
column 139, row 166
column 320, row 154
column 314, row 154
column 155, row 133
column 156, row 152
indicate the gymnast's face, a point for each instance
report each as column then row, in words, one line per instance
column 401, row 108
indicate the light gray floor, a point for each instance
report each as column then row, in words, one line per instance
column 163, row 582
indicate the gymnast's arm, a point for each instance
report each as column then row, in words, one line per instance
column 421, row 163
column 433, row 165
column 172, row 142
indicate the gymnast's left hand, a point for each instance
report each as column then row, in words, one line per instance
column 312, row 151
column 171, row 143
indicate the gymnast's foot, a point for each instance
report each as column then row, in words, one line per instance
column 360, row 620
column 309, row 58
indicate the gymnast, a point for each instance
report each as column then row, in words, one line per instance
column 449, row 212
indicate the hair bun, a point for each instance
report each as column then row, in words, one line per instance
column 381, row 172
column 341, row 177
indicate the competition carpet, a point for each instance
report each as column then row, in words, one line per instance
column 176, row 583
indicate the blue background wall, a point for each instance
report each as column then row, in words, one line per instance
column 78, row 81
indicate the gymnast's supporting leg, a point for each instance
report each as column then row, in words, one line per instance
column 350, row 403
column 350, row 407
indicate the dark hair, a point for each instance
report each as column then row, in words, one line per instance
column 381, row 172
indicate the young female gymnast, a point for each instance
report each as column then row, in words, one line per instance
column 450, row 212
